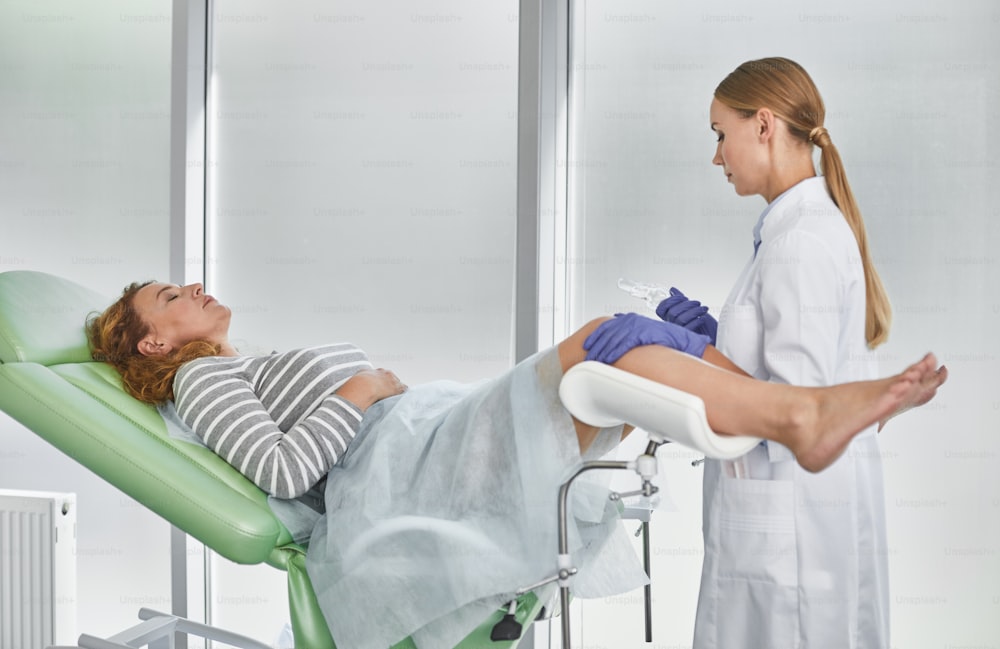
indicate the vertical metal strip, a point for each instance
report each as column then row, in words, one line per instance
column 178, row 252
column 576, row 156
column 541, row 177
column 539, row 291
column 527, row 226
column 188, row 78
column 207, row 150
column 187, row 140
column 178, row 579
column 553, row 254
column 528, row 120
column 178, row 137
column 202, row 219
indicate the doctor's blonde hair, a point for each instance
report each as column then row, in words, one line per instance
column 783, row 86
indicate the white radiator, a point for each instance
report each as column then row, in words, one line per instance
column 37, row 569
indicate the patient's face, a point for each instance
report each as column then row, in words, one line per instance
column 178, row 315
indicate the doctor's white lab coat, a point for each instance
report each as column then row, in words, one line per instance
column 795, row 559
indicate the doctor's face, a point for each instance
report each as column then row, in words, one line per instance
column 739, row 152
column 177, row 315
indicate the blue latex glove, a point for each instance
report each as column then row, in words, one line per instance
column 624, row 332
column 689, row 314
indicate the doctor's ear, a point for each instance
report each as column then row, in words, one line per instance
column 766, row 123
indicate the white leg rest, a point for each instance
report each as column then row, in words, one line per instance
column 604, row 396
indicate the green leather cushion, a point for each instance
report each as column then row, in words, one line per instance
column 42, row 318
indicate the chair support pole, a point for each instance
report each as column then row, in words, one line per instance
column 649, row 586
column 646, row 563
column 564, row 573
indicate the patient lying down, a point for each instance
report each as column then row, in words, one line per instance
column 440, row 496
column 157, row 329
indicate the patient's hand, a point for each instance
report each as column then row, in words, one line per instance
column 369, row 386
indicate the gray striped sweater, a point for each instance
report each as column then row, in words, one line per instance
column 275, row 418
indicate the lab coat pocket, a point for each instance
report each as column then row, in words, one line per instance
column 740, row 336
column 758, row 573
column 757, row 528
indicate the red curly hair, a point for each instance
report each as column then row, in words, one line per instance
column 114, row 336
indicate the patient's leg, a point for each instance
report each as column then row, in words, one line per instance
column 816, row 424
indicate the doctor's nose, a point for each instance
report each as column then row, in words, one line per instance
column 717, row 158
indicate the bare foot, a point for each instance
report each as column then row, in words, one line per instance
column 928, row 388
column 824, row 428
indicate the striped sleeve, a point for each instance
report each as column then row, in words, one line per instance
column 219, row 403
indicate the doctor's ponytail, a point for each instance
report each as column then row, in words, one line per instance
column 786, row 88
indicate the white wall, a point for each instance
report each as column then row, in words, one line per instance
column 84, row 151
column 912, row 92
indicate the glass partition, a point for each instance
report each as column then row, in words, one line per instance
column 85, row 139
column 84, row 194
column 362, row 188
column 362, row 178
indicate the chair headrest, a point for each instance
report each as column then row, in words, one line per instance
column 43, row 318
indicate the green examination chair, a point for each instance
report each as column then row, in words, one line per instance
column 50, row 385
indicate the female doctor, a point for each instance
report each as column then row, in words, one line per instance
column 792, row 558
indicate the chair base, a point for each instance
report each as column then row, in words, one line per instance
column 159, row 631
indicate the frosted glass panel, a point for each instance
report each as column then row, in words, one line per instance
column 912, row 91
column 362, row 188
column 84, row 193
column 85, row 139
column 363, row 178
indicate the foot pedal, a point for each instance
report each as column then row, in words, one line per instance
column 506, row 629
